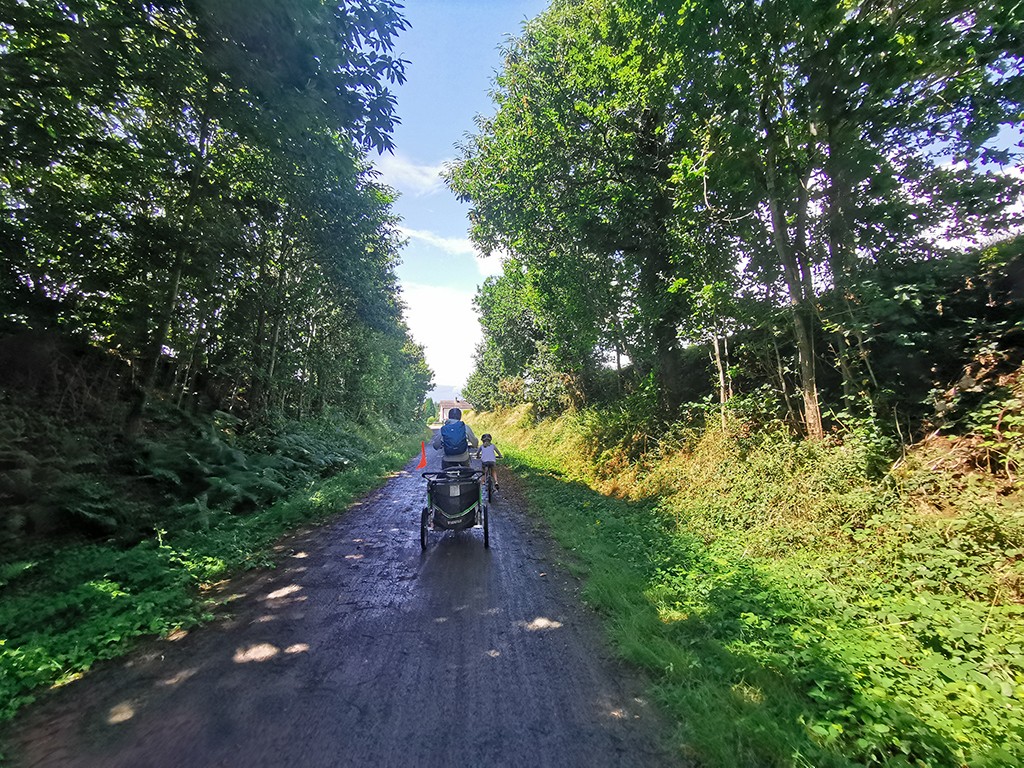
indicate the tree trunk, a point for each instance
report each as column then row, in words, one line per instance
column 152, row 363
column 256, row 381
column 275, row 335
column 783, row 384
column 134, row 421
column 839, row 233
column 723, row 396
column 800, row 296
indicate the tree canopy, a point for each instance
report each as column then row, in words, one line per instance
column 667, row 174
column 185, row 184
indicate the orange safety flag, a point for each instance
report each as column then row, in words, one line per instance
column 423, row 456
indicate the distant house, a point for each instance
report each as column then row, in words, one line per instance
column 447, row 405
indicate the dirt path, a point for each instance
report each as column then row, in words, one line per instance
column 361, row 650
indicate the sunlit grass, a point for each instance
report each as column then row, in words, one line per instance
column 783, row 604
column 62, row 611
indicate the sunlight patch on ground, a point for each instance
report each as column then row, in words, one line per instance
column 748, row 693
column 354, row 557
column 670, row 615
column 492, row 612
column 177, row 634
column 121, row 713
column 494, row 653
column 440, row 619
column 284, row 592
column 181, row 677
column 258, row 652
column 300, row 555
column 541, row 623
column 265, row 618
column 297, row 648
column 70, row 677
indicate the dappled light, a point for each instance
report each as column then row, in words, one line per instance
column 255, row 653
column 176, row 635
column 178, row 678
column 748, row 693
column 291, row 589
column 354, row 557
column 297, row 648
column 493, row 653
column 121, row 713
column 540, row 624
column 300, row 555
column 670, row 615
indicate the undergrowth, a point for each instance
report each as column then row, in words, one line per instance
column 193, row 510
column 794, row 607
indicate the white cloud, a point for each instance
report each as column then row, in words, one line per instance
column 489, row 265
column 408, row 177
column 457, row 246
column 443, row 320
column 452, row 245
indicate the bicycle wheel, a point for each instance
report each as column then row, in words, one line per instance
column 424, row 518
column 490, row 485
column 487, row 537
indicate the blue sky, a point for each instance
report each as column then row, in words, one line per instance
column 453, row 53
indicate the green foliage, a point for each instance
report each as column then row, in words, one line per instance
column 777, row 174
column 66, row 608
column 999, row 423
column 188, row 190
column 792, row 607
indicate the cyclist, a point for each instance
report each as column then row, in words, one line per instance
column 489, row 454
column 454, row 437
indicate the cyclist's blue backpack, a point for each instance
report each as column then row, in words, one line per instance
column 453, row 435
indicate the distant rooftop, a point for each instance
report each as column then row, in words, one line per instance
column 446, row 405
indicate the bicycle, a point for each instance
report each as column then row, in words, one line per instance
column 487, row 479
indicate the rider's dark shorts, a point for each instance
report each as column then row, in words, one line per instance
column 487, row 463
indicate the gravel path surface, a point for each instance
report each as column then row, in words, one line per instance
column 361, row 650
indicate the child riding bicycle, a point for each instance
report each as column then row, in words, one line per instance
column 489, row 454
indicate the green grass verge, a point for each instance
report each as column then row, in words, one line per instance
column 64, row 610
column 872, row 639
